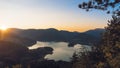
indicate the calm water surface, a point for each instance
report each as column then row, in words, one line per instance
column 61, row 50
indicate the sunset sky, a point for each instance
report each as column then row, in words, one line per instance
column 42, row 14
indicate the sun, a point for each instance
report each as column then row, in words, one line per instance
column 3, row 28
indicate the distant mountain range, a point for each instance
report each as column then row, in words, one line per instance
column 96, row 32
column 53, row 35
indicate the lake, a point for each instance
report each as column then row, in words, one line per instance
column 61, row 50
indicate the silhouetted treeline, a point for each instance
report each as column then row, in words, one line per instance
column 51, row 64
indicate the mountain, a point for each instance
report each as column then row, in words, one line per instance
column 98, row 32
column 12, row 35
column 51, row 34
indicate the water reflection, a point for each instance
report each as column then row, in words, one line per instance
column 61, row 50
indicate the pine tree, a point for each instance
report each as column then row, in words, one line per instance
column 111, row 43
column 107, row 54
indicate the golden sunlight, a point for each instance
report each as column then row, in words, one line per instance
column 3, row 28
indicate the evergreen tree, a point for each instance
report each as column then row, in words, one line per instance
column 106, row 55
column 110, row 6
column 111, row 43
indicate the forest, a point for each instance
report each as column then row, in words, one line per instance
column 14, row 53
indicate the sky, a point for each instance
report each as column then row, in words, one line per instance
column 43, row 14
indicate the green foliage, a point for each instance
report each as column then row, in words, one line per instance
column 102, row 5
column 106, row 55
column 111, row 43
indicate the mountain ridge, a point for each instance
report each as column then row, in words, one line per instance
column 53, row 35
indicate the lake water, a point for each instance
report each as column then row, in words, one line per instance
column 61, row 50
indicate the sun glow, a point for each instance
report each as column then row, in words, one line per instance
column 3, row 28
